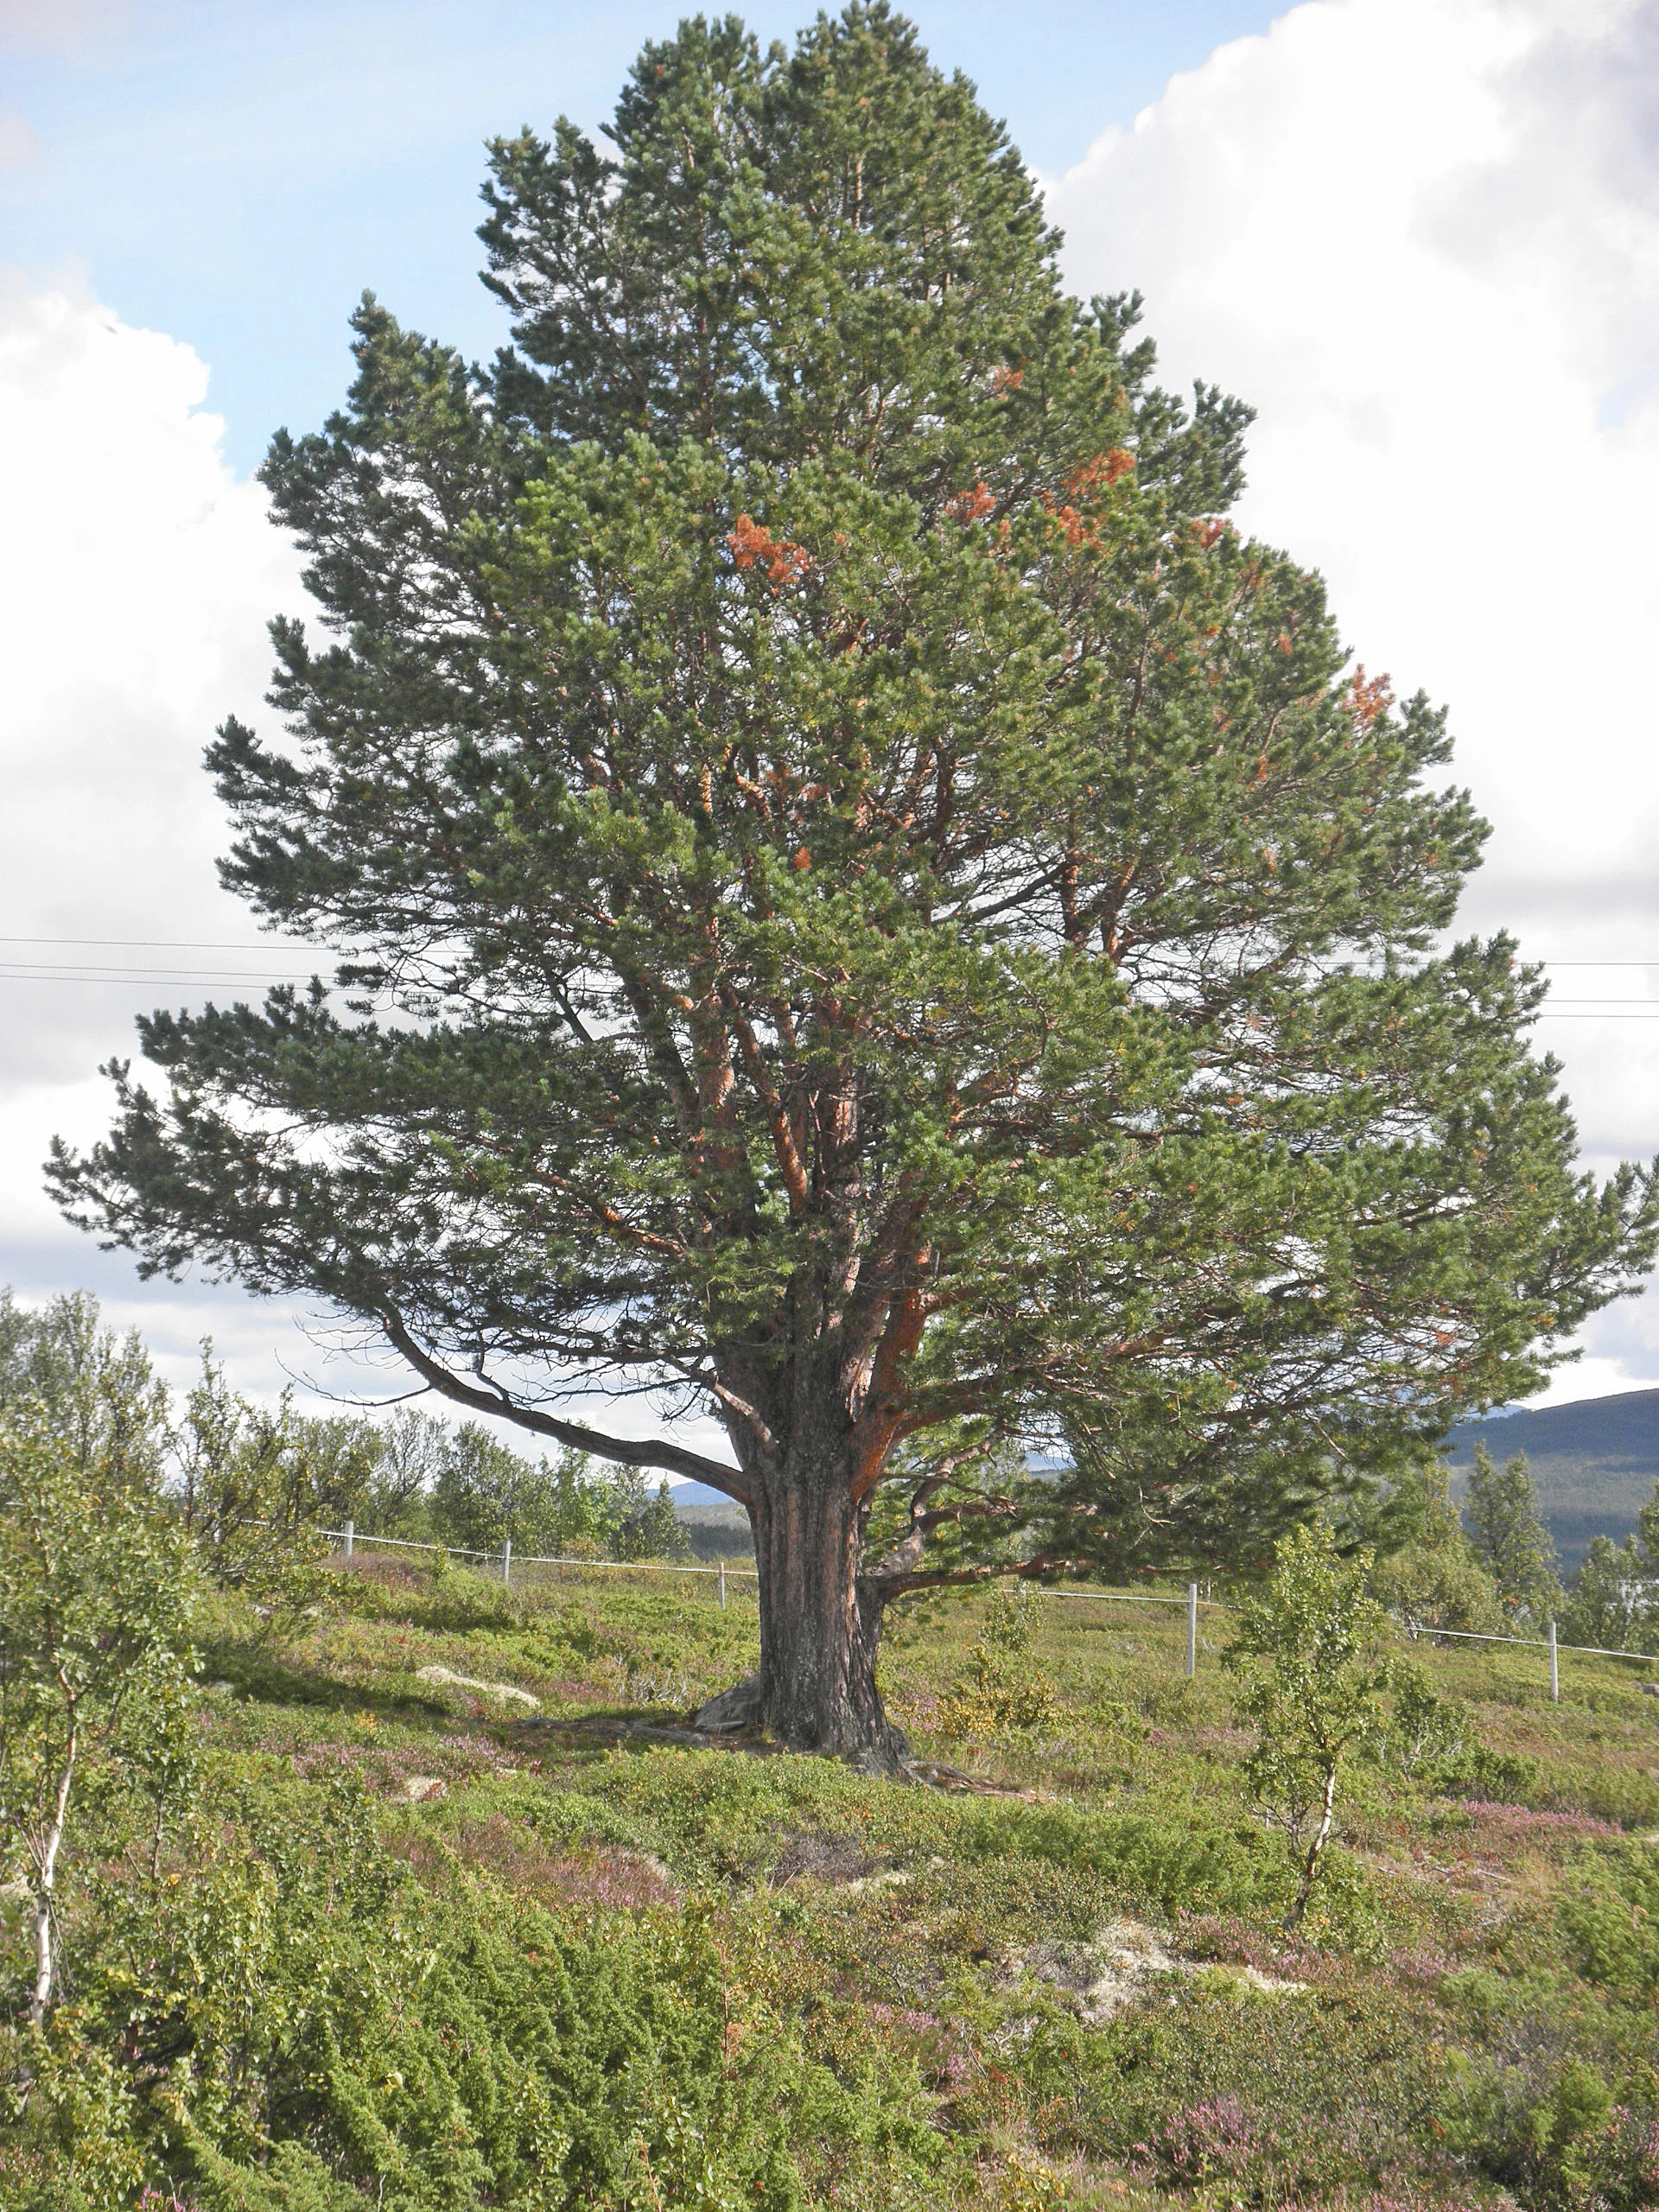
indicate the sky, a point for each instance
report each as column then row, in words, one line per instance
column 1421, row 237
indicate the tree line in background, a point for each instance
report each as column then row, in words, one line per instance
column 239, row 1475
column 1492, row 1569
column 245, row 1479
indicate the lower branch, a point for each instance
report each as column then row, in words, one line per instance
column 487, row 1397
column 887, row 1585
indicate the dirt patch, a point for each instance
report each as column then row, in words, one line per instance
column 1127, row 1963
column 822, row 1858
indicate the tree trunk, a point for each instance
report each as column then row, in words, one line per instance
column 1322, row 1836
column 819, row 1631
column 46, row 1869
column 820, row 1621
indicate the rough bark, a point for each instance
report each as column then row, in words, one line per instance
column 819, row 1628
column 820, row 1619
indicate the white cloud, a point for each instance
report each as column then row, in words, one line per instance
column 1422, row 237
column 137, row 575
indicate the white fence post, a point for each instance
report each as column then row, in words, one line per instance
column 1554, row 1669
column 722, row 1586
column 1192, row 1629
column 506, row 1561
column 347, row 1536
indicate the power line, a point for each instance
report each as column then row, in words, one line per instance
column 164, row 944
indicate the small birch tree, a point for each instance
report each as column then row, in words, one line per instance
column 1310, row 1674
column 95, row 1607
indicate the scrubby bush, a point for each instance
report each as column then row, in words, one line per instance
column 300, row 2008
column 97, row 1595
column 1430, row 1738
column 1006, row 1689
column 1429, row 1577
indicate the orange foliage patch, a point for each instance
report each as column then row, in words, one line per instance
column 1081, row 485
column 1368, row 700
column 1105, row 468
column 754, row 545
column 968, row 506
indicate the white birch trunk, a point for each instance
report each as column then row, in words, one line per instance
column 46, row 1868
column 1310, row 1865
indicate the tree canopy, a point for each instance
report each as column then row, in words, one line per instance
column 865, row 905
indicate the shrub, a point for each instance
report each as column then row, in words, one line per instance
column 301, row 2007
column 96, row 1602
column 1430, row 1577
column 1610, row 1917
column 1006, row 1690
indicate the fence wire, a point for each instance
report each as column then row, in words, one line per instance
column 723, row 1571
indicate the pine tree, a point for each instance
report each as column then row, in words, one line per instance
column 1647, row 1537
column 863, row 900
column 1510, row 1538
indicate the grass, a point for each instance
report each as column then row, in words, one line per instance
column 1073, row 1991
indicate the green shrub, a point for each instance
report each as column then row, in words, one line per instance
column 1006, row 1689
column 1430, row 1739
column 438, row 2047
column 1610, row 1918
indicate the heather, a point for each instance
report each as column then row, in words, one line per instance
column 416, row 1945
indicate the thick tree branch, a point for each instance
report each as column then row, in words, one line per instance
column 489, row 1398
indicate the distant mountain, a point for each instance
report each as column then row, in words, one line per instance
column 1594, row 1464
column 685, row 1494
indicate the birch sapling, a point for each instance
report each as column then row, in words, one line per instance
column 1311, row 1674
